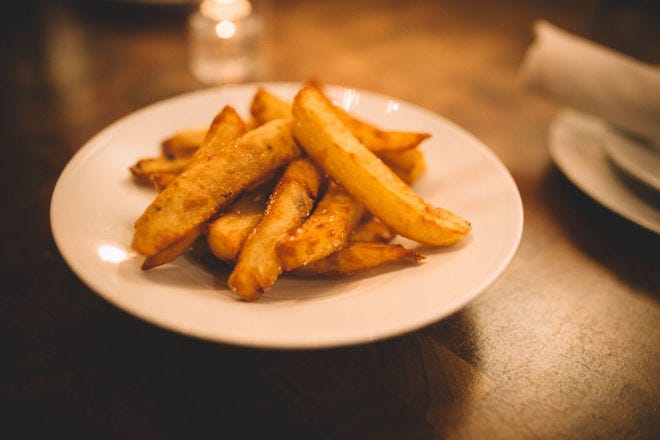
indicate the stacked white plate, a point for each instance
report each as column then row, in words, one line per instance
column 616, row 170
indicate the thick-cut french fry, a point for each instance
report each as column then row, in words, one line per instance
column 258, row 266
column 372, row 137
column 212, row 141
column 226, row 127
column 265, row 107
column 327, row 140
column 226, row 234
column 379, row 140
column 161, row 180
column 372, row 231
column 215, row 140
column 327, row 230
column 160, row 171
column 145, row 168
column 358, row 257
column 394, row 148
column 172, row 251
column 193, row 197
column 183, row 143
column 407, row 164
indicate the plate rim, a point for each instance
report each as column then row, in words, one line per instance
column 96, row 142
column 613, row 137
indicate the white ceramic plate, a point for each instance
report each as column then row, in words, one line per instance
column 95, row 203
column 639, row 161
column 576, row 144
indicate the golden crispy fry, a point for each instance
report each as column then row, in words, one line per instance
column 226, row 234
column 193, row 197
column 372, row 137
column 358, row 257
column 379, row 140
column 215, row 140
column 409, row 165
column 372, row 231
column 145, row 168
column 394, row 148
column 325, row 231
column 161, row 180
column 265, row 107
column 172, row 251
column 325, row 138
column 258, row 266
column 160, row 171
column 183, row 143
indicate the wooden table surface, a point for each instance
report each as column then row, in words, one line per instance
column 565, row 343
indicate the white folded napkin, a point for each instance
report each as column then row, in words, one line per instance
column 596, row 80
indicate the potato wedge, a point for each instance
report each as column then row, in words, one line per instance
column 145, row 168
column 358, row 257
column 193, row 197
column 226, row 234
column 172, row 251
column 265, row 107
column 215, row 137
column 326, row 139
column 161, row 180
column 409, row 165
column 289, row 205
column 379, row 140
column 372, row 231
column 327, row 230
column 372, row 137
column 160, row 171
column 183, row 143
column 397, row 149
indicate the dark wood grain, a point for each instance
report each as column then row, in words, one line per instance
column 565, row 344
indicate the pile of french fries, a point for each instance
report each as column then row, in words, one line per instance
column 304, row 188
